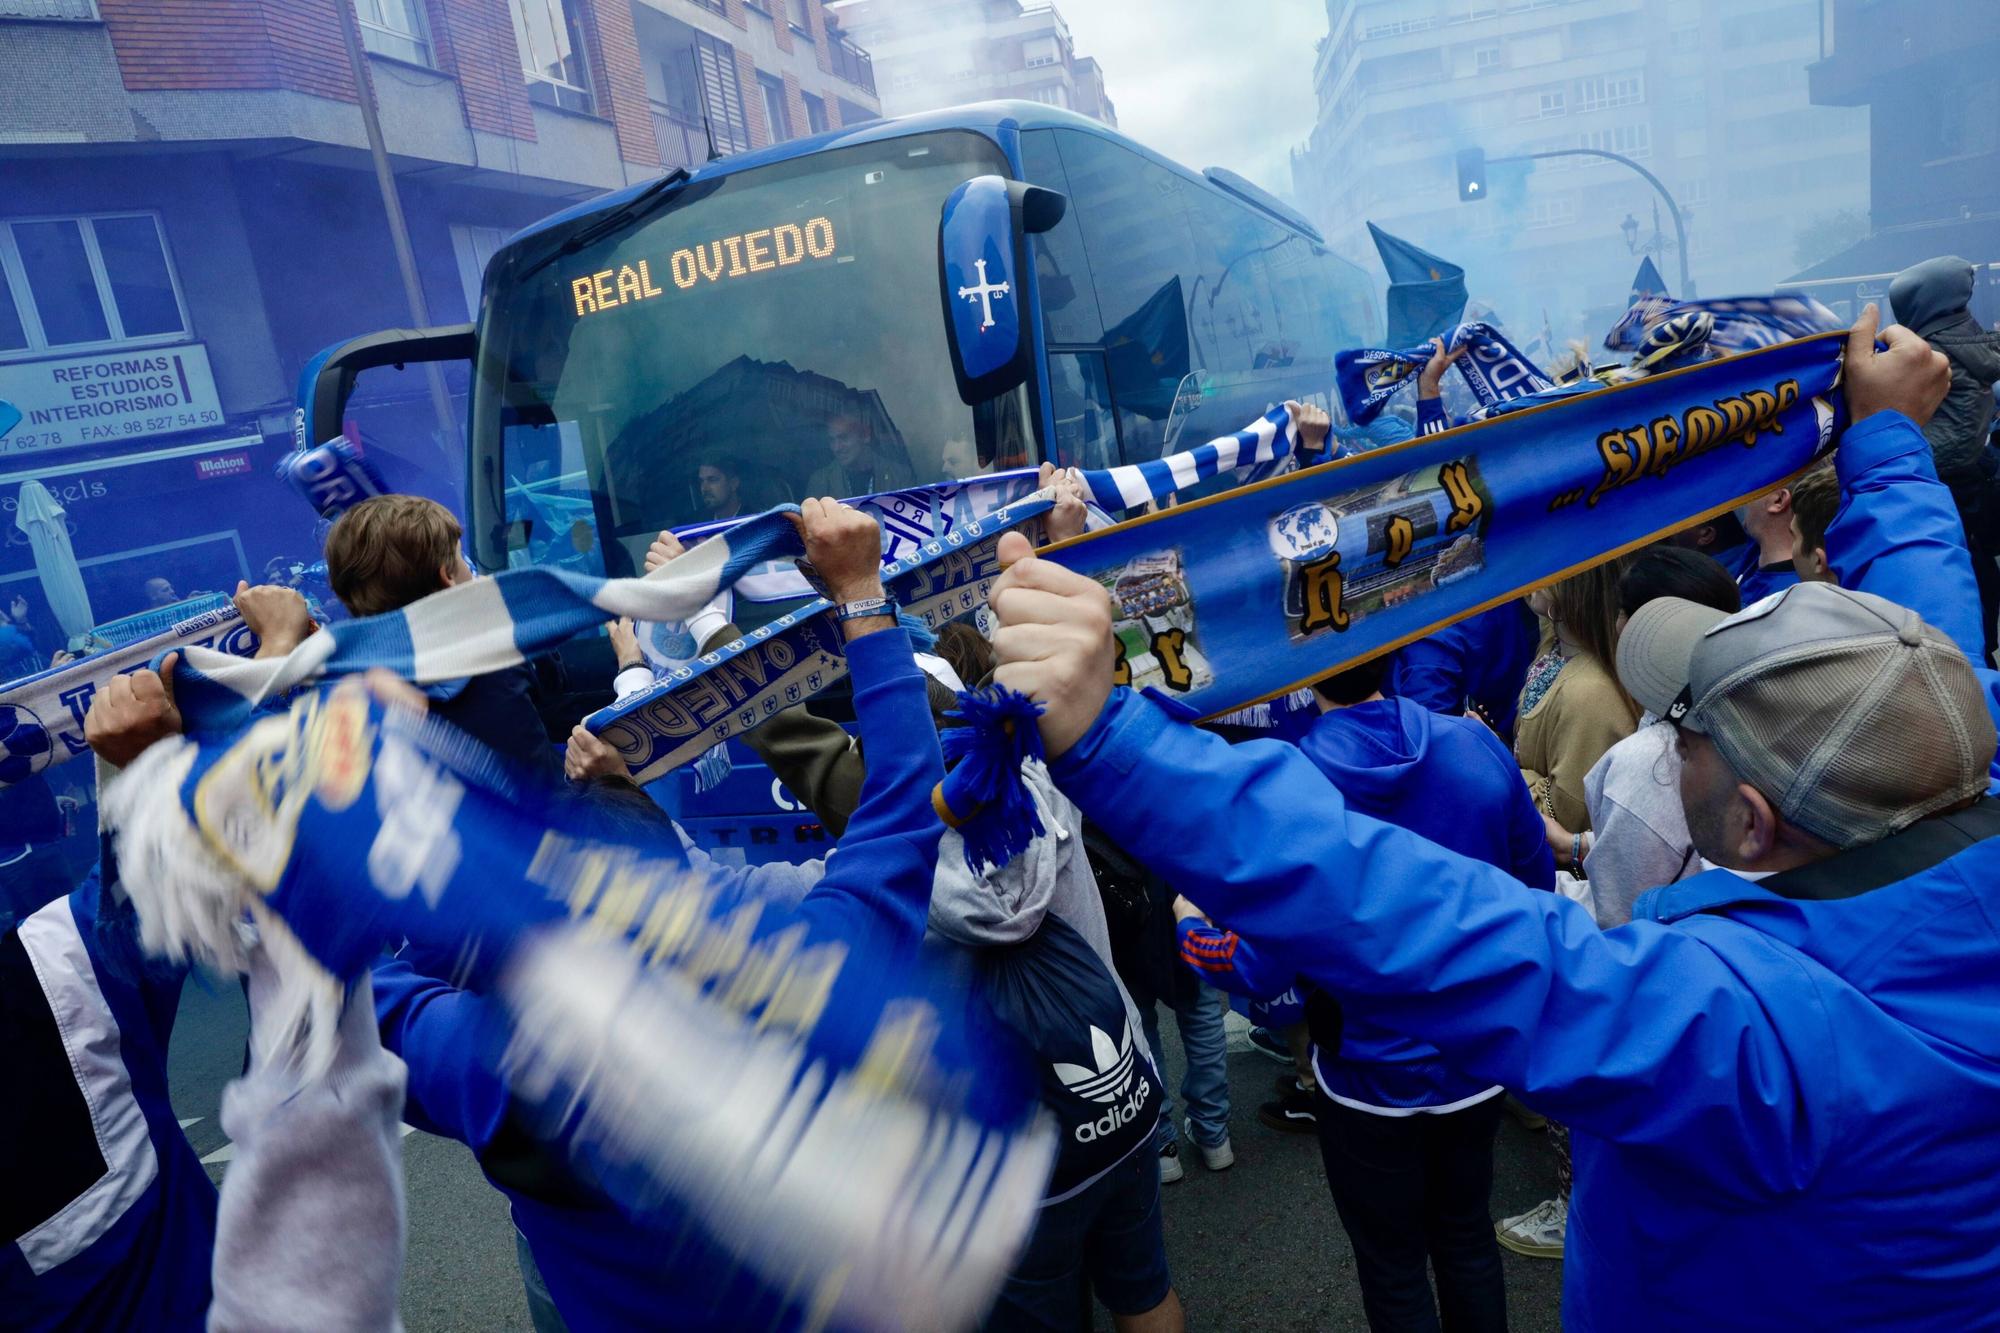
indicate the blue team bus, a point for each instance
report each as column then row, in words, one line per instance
column 795, row 321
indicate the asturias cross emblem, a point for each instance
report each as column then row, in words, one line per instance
column 983, row 292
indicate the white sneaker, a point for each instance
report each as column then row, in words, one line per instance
column 1219, row 1158
column 1170, row 1164
column 1537, row 1233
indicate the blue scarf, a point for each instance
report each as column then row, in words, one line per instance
column 1492, row 367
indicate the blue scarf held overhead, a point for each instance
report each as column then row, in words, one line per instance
column 1492, row 367
column 793, row 1084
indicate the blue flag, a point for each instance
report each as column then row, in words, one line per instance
column 1426, row 293
column 1493, row 368
column 1646, row 282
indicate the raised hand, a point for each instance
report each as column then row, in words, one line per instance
column 1909, row 378
column 131, row 712
column 1054, row 641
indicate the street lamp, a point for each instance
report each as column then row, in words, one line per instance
column 1631, row 224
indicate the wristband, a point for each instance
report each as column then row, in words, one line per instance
column 864, row 609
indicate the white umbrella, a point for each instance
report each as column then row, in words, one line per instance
column 37, row 514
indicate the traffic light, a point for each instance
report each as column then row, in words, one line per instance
column 1471, row 174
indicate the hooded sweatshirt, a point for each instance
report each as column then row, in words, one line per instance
column 1931, row 299
column 1448, row 779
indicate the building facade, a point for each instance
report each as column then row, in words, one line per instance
column 938, row 53
column 1929, row 75
column 193, row 210
column 1709, row 95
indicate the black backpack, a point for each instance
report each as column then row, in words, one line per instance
column 1058, row 998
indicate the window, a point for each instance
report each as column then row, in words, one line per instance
column 80, row 281
column 722, row 93
column 552, row 53
column 1631, row 140
column 712, row 6
column 1051, row 95
column 1601, row 91
column 394, row 28
column 472, row 247
column 1038, row 52
column 1550, row 104
column 776, row 115
column 1546, row 213
column 816, row 121
column 795, row 14
column 1485, row 58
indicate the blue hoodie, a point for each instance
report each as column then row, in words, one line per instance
column 606, row 1267
column 1783, row 1111
column 1450, row 780
column 1482, row 660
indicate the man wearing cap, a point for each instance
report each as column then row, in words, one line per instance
column 1783, row 1076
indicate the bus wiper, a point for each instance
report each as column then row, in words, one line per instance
column 638, row 206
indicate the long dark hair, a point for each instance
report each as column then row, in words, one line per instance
column 1677, row 571
column 1586, row 607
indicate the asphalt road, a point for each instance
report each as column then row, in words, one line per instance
column 1255, row 1249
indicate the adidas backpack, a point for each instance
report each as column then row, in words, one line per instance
column 1059, row 999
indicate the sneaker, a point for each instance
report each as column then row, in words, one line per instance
column 1537, row 1233
column 1525, row 1116
column 1292, row 1113
column 1289, row 1084
column 1266, row 1042
column 1170, row 1164
column 1218, row 1158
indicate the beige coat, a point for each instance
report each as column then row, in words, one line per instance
column 1559, row 740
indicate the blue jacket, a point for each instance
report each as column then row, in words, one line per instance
column 1783, row 1112
column 1897, row 534
column 1482, row 660
column 606, row 1267
column 1448, row 779
column 111, row 1218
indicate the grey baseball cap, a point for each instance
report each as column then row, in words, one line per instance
column 1851, row 715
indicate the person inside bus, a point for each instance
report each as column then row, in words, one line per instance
column 719, row 479
column 856, row 464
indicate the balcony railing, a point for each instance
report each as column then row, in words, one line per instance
column 81, row 11
column 853, row 64
column 683, row 142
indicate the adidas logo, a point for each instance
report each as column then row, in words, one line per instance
column 1107, row 1083
column 1113, row 1072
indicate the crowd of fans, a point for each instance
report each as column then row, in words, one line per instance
column 1688, row 857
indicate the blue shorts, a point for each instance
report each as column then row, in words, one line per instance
column 1108, row 1236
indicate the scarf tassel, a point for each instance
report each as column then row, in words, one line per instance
column 983, row 796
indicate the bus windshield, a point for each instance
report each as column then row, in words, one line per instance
column 769, row 335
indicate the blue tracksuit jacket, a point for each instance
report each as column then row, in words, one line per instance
column 1481, row 660
column 1448, row 779
column 1784, row 1112
column 605, row 1267
column 111, row 1218
column 1897, row 534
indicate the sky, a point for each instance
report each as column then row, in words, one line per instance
column 1225, row 83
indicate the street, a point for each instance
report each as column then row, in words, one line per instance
column 1255, row 1249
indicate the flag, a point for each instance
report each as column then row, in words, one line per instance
column 1147, row 352
column 1492, row 367
column 1647, row 282
column 1426, row 293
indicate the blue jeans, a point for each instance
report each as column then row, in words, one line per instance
column 1205, row 1086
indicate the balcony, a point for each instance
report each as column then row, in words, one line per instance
column 76, row 11
column 850, row 62
column 683, row 141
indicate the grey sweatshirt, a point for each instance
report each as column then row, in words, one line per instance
column 309, row 1232
column 1640, row 832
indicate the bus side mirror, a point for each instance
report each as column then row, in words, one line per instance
column 983, row 233
column 327, row 381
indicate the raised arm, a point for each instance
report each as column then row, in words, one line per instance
column 880, row 874
column 1513, row 985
